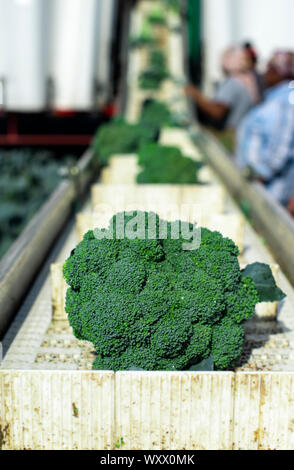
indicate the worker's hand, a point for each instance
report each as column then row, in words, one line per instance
column 291, row 206
column 190, row 90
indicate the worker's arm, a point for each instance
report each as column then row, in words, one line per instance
column 217, row 111
column 291, row 206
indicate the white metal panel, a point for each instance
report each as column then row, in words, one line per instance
column 217, row 35
column 2, row 57
column 146, row 410
column 264, row 411
column 104, row 38
column 72, row 53
column 56, row 410
column 2, row 39
column 174, row 410
column 267, row 23
column 23, row 53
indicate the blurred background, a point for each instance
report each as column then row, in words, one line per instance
column 60, row 66
column 62, row 74
column 68, row 56
column 62, row 71
column 266, row 23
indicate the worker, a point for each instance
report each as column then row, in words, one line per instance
column 253, row 62
column 265, row 143
column 234, row 97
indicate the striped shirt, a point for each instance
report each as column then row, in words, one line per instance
column 265, row 142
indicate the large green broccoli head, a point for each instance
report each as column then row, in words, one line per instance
column 148, row 303
column 118, row 137
column 166, row 165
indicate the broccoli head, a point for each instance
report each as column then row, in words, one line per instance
column 156, row 72
column 157, row 17
column 119, row 137
column 149, row 304
column 166, row 165
column 155, row 113
column 144, row 38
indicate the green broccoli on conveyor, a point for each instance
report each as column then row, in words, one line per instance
column 155, row 113
column 156, row 72
column 144, row 38
column 148, row 304
column 119, row 137
column 166, row 165
column 157, row 17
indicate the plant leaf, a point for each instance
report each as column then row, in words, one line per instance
column 265, row 283
column 206, row 365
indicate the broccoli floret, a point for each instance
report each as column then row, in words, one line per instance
column 241, row 302
column 171, row 333
column 132, row 358
column 155, row 113
column 144, row 38
column 157, row 58
column 227, row 342
column 224, row 264
column 199, row 345
column 157, row 17
column 149, row 304
column 126, row 275
column 166, row 165
column 92, row 256
column 119, row 137
column 155, row 73
column 152, row 77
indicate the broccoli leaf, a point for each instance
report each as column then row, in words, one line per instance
column 264, row 281
column 206, row 365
